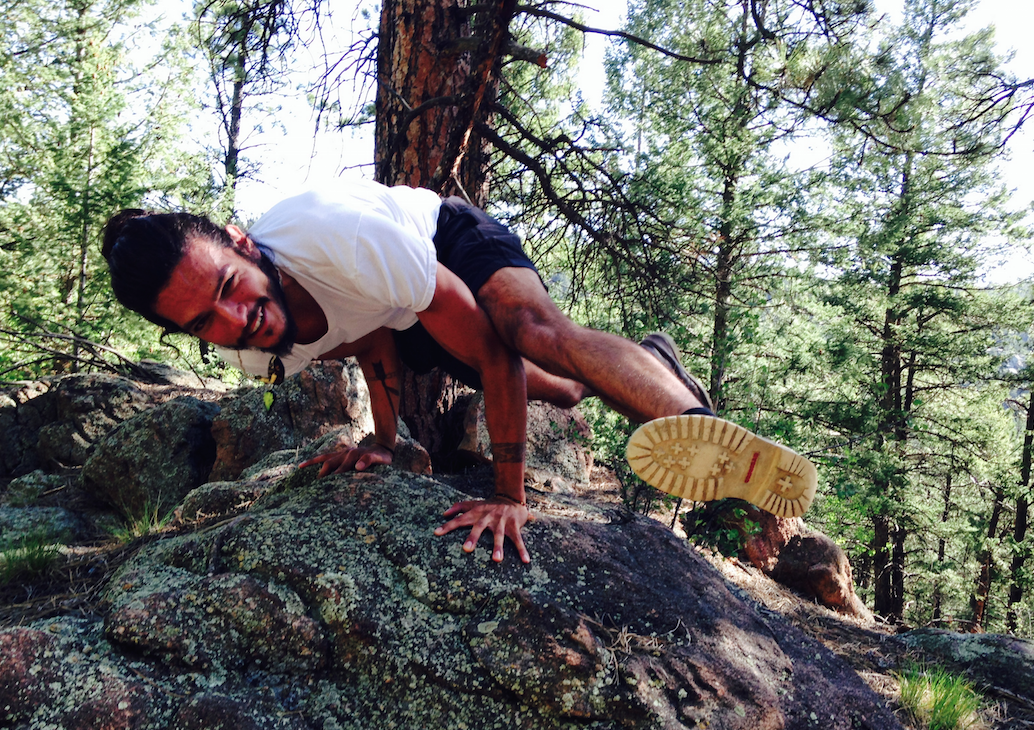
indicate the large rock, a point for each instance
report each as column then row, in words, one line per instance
column 31, row 488
column 806, row 561
column 336, row 596
column 86, row 408
column 151, row 461
column 302, row 603
column 40, row 524
column 22, row 412
column 229, row 620
column 998, row 660
column 64, row 669
column 558, row 441
column 53, row 424
column 324, row 397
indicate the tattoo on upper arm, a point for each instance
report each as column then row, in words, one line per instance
column 508, row 453
column 382, row 377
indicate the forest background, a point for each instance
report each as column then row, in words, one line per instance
column 807, row 194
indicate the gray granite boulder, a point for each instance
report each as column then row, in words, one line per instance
column 257, row 421
column 995, row 660
column 558, row 452
column 151, row 461
column 335, row 595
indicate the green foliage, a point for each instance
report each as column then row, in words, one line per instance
column 939, row 699
column 102, row 136
column 27, row 556
column 722, row 526
column 148, row 521
column 836, row 309
column 610, row 433
column 246, row 45
column 913, row 337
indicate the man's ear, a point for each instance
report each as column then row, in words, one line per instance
column 240, row 240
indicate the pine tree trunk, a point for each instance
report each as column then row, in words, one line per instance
column 721, row 334
column 888, row 541
column 1020, row 548
column 438, row 73
column 978, row 601
column 882, row 603
column 942, row 544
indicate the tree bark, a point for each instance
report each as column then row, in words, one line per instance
column 941, row 546
column 888, row 551
column 1020, row 549
column 437, row 76
column 978, row 601
column 438, row 73
column 881, row 566
column 721, row 334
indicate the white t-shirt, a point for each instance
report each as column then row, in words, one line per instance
column 364, row 251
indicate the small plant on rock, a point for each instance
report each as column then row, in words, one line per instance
column 26, row 556
column 147, row 522
column 939, row 700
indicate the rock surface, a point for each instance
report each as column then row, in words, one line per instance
column 995, row 660
column 300, row 603
column 558, row 442
column 322, row 398
column 807, row 561
column 152, row 460
column 334, row 594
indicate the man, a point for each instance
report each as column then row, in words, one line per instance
column 389, row 274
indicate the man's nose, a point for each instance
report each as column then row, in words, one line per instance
column 234, row 314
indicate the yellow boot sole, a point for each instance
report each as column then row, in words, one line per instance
column 703, row 458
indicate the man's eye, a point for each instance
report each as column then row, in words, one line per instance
column 200, row 325
column 227, row 287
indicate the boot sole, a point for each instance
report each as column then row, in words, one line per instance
column 703, row 459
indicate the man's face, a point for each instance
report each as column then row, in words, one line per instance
column 223, row 296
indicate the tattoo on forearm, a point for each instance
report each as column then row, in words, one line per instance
column 508, row 453
column 382, row 378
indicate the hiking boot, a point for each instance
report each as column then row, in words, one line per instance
column 661, row 346
column 704, row 458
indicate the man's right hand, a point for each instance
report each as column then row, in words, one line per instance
column 345, row 458
column 501, row 516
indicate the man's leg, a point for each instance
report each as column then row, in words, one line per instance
column 695, row 457
column 553, row 389
column 622, row 373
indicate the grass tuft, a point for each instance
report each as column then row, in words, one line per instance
column 938, row 699
column 150, row 521
column 27, row 556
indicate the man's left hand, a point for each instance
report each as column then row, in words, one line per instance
column 346, row 458
column 504, row 518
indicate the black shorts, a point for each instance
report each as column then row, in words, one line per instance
column 472, row 245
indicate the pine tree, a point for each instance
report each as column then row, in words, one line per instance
column 913, row 346
column 79, row 152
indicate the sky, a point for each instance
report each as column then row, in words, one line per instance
column 288, row 165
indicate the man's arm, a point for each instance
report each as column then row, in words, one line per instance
column 380, row 365
column 458, row 324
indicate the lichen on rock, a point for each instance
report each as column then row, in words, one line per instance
column 282, row 600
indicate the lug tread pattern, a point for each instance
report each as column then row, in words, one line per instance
column 702, row 458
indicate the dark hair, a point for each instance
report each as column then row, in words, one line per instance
column 143, row 247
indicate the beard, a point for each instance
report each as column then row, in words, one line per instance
column 274, row 294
